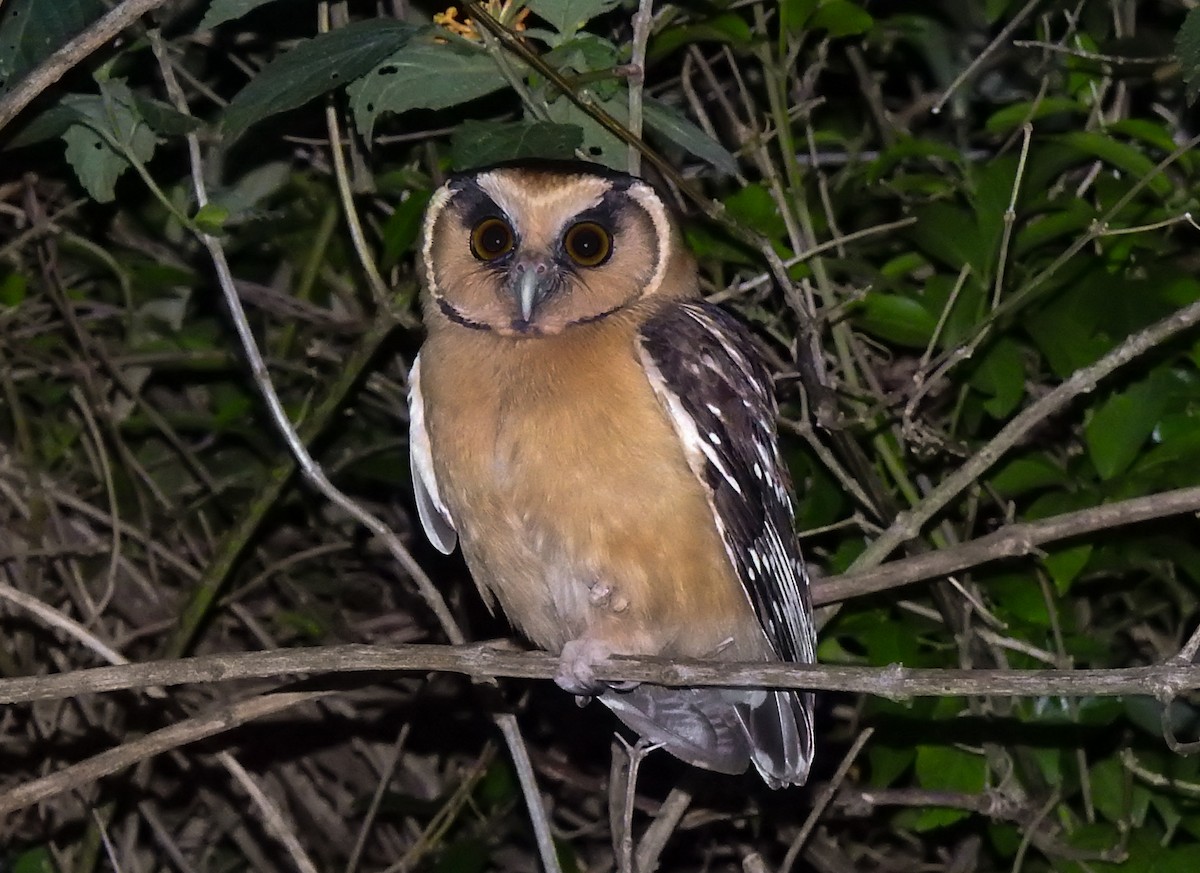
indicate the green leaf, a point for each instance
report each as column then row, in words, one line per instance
column 1001, row 373
column 403, row 227
column 32, row 30
column 670, row 123
column 1187, row 46
column 754, row 207
column 841, row 18
column 227, row 10
column 950, row 235
column 598, row 144
column 13, row 289
column 1016, row 114
column 423, row 75
column 164, row 118
column 1023, row 475
column 467, row 855
column 896, row 319
column 211, row 218
column 567, row 16
column 314, row 67
column 1117, row 430
column 946, row 768
column 37, row 860
column 727, row 27
column 795, row 14
column 1121, row 156
column 109, row 132
column 478, row 143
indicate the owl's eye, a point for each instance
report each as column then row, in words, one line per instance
column 588, row 244
column 492, row 238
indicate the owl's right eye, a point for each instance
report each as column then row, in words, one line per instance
column 492, row 238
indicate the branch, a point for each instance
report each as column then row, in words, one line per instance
column 908, row 524
column 478, row 661
column 1012, row 541
column 190, row 730
column 54, row 67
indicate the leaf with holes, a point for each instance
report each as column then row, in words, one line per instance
column 314, row 67
column 423, row 75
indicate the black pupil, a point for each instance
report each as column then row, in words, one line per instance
column 587, row 243
column 494, row 238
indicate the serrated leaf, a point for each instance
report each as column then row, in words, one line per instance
column 423, row 75
column 598, row 144
column 567, row 16
column 110, row 132
column 32, row 30
column 314, row 67
column 1187, row 47
column 164, row 118
column 227, row 10
column 669, row 123
column 478, row 143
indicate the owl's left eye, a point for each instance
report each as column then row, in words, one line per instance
column 588, row 244
column 492, row 238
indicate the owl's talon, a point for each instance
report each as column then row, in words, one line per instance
column 577, row 667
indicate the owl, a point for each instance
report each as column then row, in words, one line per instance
column 602, row 444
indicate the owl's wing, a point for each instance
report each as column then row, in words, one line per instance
column 718, row 394
column 435, row 518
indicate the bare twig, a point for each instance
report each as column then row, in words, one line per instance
column 641, row 36
column 479, row 661
column 219, row 720
column 909, row 523
column 54, row 67
column 1012, row 541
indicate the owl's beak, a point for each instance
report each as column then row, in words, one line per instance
column 530, row 282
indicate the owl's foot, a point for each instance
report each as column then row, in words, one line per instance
column 577, row 669
column 577, row 666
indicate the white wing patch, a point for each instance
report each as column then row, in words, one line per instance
column 435, row 518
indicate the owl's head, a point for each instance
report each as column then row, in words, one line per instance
column 534, row 250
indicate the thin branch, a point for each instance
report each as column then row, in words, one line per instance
column 641, row 36
column 909, row 523
column 219, row 720
column 54, row 67
column 1012, row 541
column 823, row 800
column 894, row 682
column 1001, row 37
column 507, row 722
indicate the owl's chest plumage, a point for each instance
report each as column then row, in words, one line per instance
column 543, row 478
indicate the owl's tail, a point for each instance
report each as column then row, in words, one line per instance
column 724, row 730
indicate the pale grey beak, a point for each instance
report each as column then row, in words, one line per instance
column 530, row 282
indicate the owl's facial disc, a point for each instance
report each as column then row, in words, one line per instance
column 533, row 252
